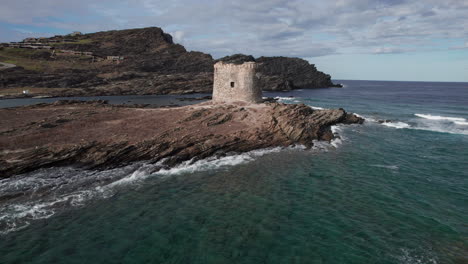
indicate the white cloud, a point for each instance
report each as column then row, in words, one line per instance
column 178, row 36
column 262, row 27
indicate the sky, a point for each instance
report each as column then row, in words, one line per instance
column 400, row 40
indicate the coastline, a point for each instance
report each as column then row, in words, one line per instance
column 97, row 135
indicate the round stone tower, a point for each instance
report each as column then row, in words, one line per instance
column 236, row 82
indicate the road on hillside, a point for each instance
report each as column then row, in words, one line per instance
column 4, row 65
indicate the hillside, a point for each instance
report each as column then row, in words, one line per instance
column 133, row 61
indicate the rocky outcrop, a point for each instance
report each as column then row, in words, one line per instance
column 98, row 135
column 152, row 64
column 284, row 74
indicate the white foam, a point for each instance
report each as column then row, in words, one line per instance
column 336, row 142
column 284, row 98
column 441, row 128
column 391, row 167
column 216, row 163
column 336, row 129
column 397, row 125
column 367, row 118
column 435, row 117
column 50, row 190
column 47, row 190
column 443, row 124
column 14, row 217
column 317, row 108
column 461, row 123
column 414, row 257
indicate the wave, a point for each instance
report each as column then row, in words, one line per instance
column 461, row 123
column 367, row 118
column 285, row 98
column 434, row 123
column 397, row 125
column 316, row 107
column 433, row 127
column 14, row 217
column 40, row 194
column 47, row 191
column 216, row 163
column 391, row 167
column 443, row 124
column 337, row 131
column 435, row 117
column 442, row 129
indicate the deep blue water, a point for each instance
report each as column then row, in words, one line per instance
column 384, row 193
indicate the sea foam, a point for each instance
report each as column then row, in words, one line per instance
column 435, row 117
column 398, row 125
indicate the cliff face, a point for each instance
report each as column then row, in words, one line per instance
column 148, row 62
column 284, row 74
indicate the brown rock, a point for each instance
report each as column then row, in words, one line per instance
column 99, row 135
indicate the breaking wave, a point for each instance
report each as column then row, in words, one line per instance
column 434, row 117
column 216, row 163
column 287, row 99
column 43, row 193
column 398, row 125
column 461, row 123
column 316, row 107
column 443, row 124
column 434, row 123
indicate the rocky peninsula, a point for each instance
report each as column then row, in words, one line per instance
column 99, row 135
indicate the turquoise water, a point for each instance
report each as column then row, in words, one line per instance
column 383, row 193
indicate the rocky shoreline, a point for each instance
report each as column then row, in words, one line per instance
column 97, row 135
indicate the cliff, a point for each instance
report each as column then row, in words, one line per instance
column 133, row 61
column 284, row 74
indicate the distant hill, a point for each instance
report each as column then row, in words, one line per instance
column 132, row 61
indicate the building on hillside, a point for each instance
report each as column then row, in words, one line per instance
column 76, row 33
column 236, row 82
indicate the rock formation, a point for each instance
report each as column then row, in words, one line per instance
column 98, row 135
column 283, row 73
column 151, row 64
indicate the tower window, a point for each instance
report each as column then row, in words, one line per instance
column 232, row 84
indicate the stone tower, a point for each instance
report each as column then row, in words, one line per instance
column 236, row 82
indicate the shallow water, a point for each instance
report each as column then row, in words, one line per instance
column 395, row 192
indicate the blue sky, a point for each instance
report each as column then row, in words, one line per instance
column 349, row 39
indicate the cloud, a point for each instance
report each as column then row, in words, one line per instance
column 178, row 36
column 389, row 50
column 262, row 27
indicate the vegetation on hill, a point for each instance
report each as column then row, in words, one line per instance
column 135, row 61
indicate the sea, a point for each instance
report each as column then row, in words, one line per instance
column 393, row 190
